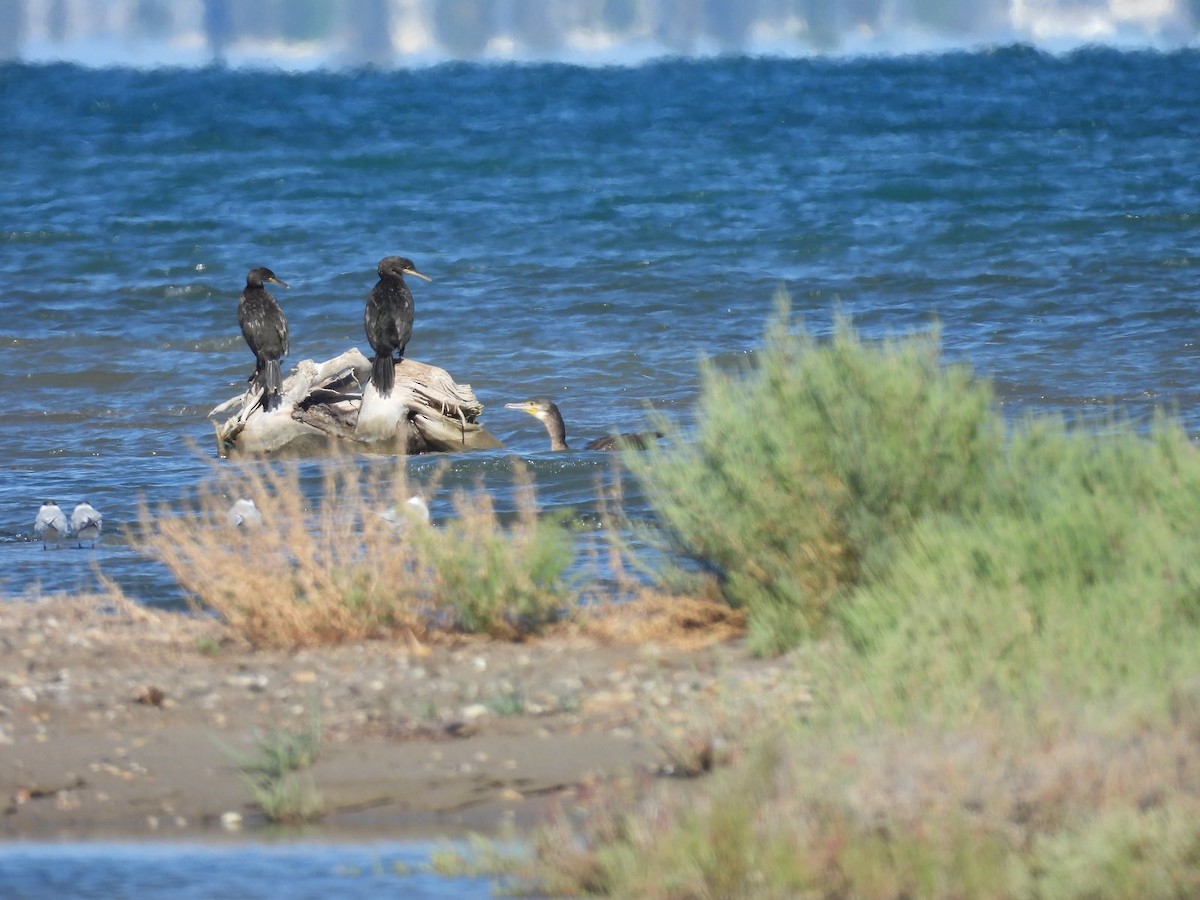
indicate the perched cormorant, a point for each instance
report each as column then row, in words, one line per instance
column 50, row 523
column 266, row 331
column 86, row 522
column 545, row 410
column 388, row 319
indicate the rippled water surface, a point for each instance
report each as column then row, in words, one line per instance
column 190, row 872
column 591, row 233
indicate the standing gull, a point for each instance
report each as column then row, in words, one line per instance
column 388, row 319
column 86, row 522
column 50, row 524
column 414, row 511
column 244, row 514
column 266, row 331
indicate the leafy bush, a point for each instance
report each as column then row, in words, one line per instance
column 805, row 471
column 1005, row 693
column 285, row 797
column 1079, row 572
column 499, row 581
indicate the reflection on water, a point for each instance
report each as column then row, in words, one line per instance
column 296, row 871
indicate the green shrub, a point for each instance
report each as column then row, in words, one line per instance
column 1079, row 573
column 1121, row 853
column 1004, row 701
column 289, row 800
column 286, row 750
column 1094, row 806
column 497, row 580
column 285, row 797
column 804, row 471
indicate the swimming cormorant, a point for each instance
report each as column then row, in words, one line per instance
column 546, row 411
column 266, row 331
column 86, row 522
column 388, row 319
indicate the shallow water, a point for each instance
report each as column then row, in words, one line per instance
column 591, row 233
column 109, row 871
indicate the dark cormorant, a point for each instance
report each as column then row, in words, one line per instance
column 388, row 319
column 266, row 331
column 545, row 410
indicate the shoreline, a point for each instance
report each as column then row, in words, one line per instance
column 130, row 724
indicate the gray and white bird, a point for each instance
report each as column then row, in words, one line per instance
column 417, row 508
column 86, row 522
column 244, row 514
column 50, row 524
column 414, row 511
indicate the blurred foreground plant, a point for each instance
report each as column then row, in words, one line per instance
column 1097, row 806
column 998, row 623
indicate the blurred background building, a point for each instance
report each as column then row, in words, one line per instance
column 312, row 33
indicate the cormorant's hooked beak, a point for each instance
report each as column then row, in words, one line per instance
column 277, row 281
column 525, row 407
column 411, row 271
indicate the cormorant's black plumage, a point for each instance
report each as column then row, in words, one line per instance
column 546, row 411
column 388, row 319
column 266, row 331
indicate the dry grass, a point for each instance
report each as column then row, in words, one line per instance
column 329, row 568
column 685, row 622
column 324, row 566
column 657, row 605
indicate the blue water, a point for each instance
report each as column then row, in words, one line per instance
column 197, row 872
column 591, row 233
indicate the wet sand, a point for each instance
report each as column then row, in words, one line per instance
column 131, row 723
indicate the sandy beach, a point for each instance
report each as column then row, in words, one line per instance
column 132, row 723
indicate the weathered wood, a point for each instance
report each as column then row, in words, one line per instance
column 427, row 411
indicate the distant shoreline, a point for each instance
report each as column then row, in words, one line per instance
column 203, row 32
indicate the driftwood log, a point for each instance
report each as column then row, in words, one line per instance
column 427, row 411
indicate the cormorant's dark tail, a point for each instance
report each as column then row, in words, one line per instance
column 272, row 385
column 383, row 373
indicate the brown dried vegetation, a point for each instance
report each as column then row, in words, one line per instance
column 335, row 569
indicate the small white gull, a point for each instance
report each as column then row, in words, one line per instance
column 413, row 510
column 244, row 514
column 86, row 523
column 50, row 524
